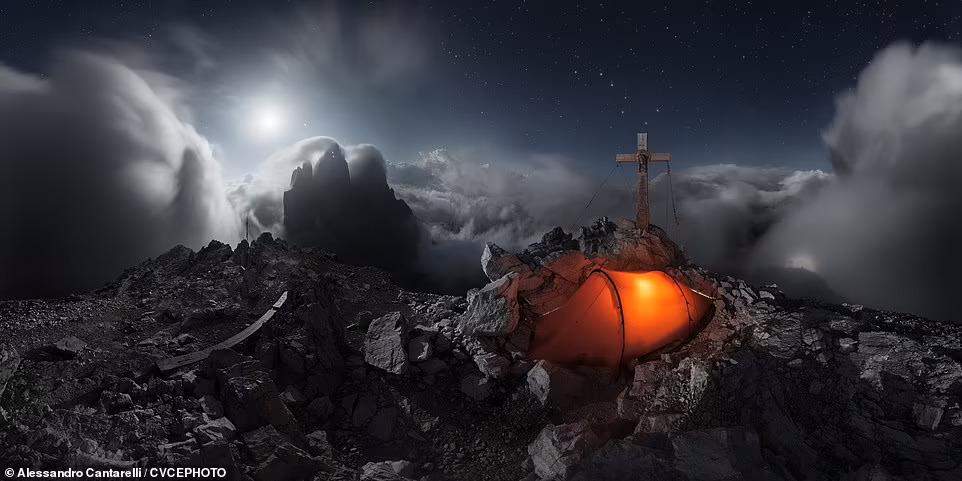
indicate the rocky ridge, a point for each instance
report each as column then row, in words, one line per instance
column 356, row 378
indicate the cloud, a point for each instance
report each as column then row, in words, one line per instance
column 353, row 48
column 725, row 209
column 508, row 201
column 887, row 233
column 98, row 172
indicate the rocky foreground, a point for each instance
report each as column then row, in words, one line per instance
column 356, row 378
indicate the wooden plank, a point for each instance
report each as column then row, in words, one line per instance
column 624, row 158
column 172, row 363
column 280, row 301
column 660, row 157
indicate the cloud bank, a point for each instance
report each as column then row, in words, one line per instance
column 725, row 209
column 465, row 201
column 887, row 233
column 508, row 201
column 98, row 172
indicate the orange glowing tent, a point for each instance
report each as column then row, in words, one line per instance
column 616, row 316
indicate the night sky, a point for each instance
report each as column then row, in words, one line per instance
column 751, row 84
column 130, row 127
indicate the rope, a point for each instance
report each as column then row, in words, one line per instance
column 668, row 224
column 593, row 196
column 671, row 198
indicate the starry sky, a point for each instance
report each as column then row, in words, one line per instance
column 748, row 83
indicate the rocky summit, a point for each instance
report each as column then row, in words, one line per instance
column 281, row 363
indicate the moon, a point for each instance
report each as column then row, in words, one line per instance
column 267, row 121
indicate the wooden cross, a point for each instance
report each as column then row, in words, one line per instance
column 642, row 157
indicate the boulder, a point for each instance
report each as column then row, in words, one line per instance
column 659, row 388
column 554, row 385
column 220, row 429
column 68, row 347
column 572, row 266
column 625, row 247
column 249, row 395
column 277, row 459
column 492, row 365
column 555, row 240
column 493, row 310
column 497, row 263
column 385, row 344
column 558, row 449
column 387, row 471
column 178, row 454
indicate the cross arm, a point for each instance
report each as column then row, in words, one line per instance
column 626, row 158
column 660, row 157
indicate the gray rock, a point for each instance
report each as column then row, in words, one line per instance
column 558, row 449
column 9, row 362
column 68, row 347
column 292, row 396
column 318, row 444
column 625, row 247
column 847, row 345
column 476, row 387
column 385, row 344
column 926, row 416
column 492, row 365
column 178, row 454
column 497, row 263
column 419, row 348
column 220, row 429
column 211, row 406
column 114, row 402
column 658, row 388
column 278, row 459
column 387, row 471
column 570, row 265
column 249, row 394
column 554, row 385
column 493, row 310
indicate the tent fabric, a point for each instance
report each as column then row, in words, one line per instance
column 615, row 316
